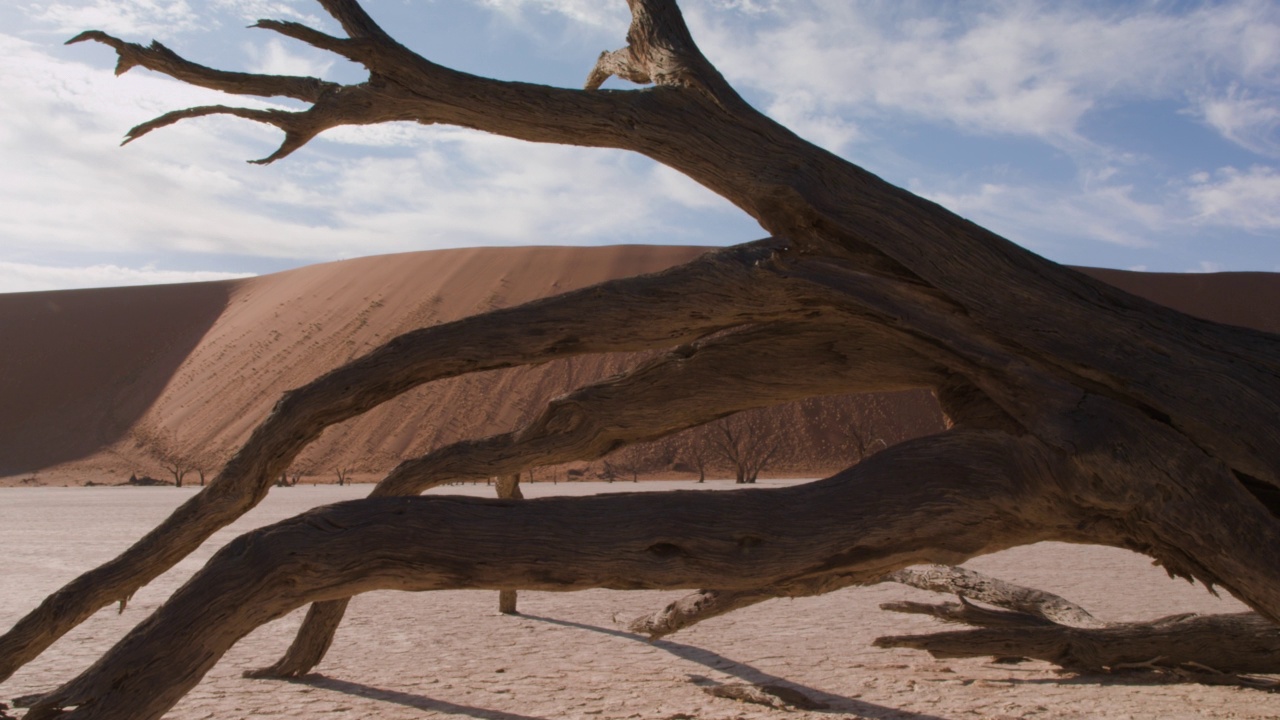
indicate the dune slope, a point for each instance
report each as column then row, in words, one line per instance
column 106, row 381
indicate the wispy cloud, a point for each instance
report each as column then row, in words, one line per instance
column 22, row 277
column 1041, row 218
column 274, row 58
column 1030, row 68
column 1248, row 199
column 587, row 12
column 1248, row 119
column 152, row 18
column 185, row 189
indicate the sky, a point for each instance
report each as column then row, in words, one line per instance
column 1138, row 135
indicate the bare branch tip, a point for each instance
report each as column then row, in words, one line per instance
column 87, row 35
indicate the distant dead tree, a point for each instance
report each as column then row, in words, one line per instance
column 743, row 442
column 624, row 462
column 343, row 474
column 698, row 454
column 177, row 466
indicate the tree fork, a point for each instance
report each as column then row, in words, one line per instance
column 703, row 296
column 687, row 385
column 864, row 521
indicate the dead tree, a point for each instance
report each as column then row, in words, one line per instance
column 343, row 474
column 697, row 454
column 1081, row 413
column 626, row 462
column 176, row 466
column 744, row 444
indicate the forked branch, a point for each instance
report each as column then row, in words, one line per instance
column 899, row 508
column 161, row 59
column 720, row 290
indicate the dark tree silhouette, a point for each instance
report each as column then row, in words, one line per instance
column 1081, row 413
column 743, row 442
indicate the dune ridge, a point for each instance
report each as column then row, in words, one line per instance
column 100, row 382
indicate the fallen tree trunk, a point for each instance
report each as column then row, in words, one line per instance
column 643, row 540
column 1043, row 626
column 1236, row 643
column 705, row 604
column 562, row 326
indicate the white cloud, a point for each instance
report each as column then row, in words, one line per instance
column 251, row 10
column 153, row 18
column 1249, row 199
column 68, row 187
column 22, row 277
column 275, row 59
column 1027, row 214
column 587, row 12
column 1247, row 119
column 1025, row 68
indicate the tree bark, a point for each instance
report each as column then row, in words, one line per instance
column 566, row 325
column 1044, row 626
column 645, row 540
column 1080, row 412
column 689, row 386
column 508, row 489
column 1236, row 643
column 706, row 604
column 976, row 586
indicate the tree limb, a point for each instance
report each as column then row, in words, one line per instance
column 719, row 290
column 974, row 585
column 898, row 508
column 161, row 59
column 691, row 385
column 1239, row 643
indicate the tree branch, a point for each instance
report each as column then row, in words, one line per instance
column 698, row 383
column 936, row 499
column 720, row 290
column 976, row 586
column 161, row 59
column 1239, row 643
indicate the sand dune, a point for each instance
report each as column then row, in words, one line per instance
column 94, row 383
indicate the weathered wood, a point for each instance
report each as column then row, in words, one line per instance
column 562, row 326
column 689, row 386
column 705, row 604
column 1081, row 412
column 508, row 487
column 1237, row 643
column 1044, row 626
column 974, row 585
column 862, row 522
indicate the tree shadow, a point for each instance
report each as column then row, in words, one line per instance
column 418, row 702
column 839, row 704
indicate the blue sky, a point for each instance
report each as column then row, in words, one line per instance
column 1141, row 135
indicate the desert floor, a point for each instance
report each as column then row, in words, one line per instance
column 450, row 655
